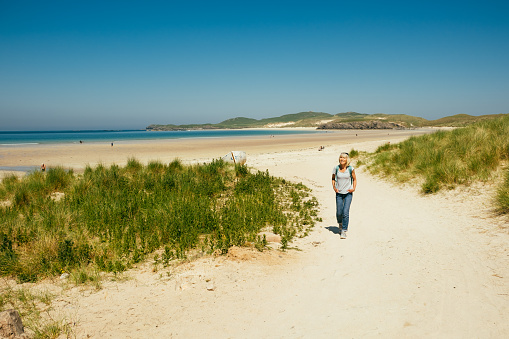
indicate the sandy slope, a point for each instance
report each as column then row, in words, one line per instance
column 412, row 267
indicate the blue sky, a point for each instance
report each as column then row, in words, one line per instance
column 128, row 64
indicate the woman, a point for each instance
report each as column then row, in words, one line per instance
column 344, row 182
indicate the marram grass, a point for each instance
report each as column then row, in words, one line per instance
column 111, row 218
column 445, row 159
column 502, row 197
column 32, row 307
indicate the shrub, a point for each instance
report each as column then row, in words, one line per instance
column 57, row 178
column 133, row 164
column 175, row 165
column 155, row 166
column 22, row 196
column 8, row 183
column 113, row 217
column 353, row 153
column 446, row 158
column 241, row 170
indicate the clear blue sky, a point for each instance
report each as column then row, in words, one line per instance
column 128, row 64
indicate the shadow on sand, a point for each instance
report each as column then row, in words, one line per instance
column 333, row 229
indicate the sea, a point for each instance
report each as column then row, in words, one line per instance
column 13, row 138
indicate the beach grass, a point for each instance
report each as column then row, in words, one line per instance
column 502, row 197
column 33, row 307
column 445, row 159
column 110, row 218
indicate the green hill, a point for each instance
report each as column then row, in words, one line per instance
column 314, row 119
column 404, row 119
column 460, row 120
column 297, row 117
column 347, row 116
column 239, row 122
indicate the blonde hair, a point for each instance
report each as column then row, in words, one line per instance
column 345, row 155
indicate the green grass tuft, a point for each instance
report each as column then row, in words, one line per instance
column 502, row 197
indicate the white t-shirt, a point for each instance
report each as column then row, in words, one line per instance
column 343, row 179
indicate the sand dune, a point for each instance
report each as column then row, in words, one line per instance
column 413, row 266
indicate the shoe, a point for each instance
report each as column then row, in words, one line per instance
column 343, row 234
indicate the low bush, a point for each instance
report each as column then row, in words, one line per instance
column 111, row 218
column 445, row 159
column 353, row 153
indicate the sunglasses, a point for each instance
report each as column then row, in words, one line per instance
column 344, row 153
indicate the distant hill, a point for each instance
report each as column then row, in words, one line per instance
column 332, row 121
column 302, row 119
column 459, row 120
column 239, row 122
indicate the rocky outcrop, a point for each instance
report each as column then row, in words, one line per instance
column 159, row 128
column 372, row 124
column 11, row 326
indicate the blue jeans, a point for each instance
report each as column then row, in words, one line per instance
column 343, row 202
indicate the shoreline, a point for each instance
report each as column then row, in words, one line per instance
column 295, row 130
column 80, row 137
column 188, row 150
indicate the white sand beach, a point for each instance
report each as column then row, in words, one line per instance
column 413, row 266
column 77, row 156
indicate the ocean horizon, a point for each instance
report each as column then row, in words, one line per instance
column 14, row 138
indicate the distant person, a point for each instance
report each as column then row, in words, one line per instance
column 43, row 167
column 111, row 144
column 344, row 182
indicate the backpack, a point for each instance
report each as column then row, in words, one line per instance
column 350, row 170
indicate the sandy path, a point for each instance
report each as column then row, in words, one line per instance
column 412, row 267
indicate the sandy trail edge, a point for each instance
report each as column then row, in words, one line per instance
column 412, row 267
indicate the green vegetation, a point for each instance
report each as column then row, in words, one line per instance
column 448, row 158
column 296, row 117
column 461, row 120
column 313, row 119
column 33, row 309
column 353, row 153
column 406, row 120
column 299, row 119
column 112, row 218
column 239, row 122
column 503, row 195
column 302, row 119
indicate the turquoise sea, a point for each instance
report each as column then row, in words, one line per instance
column 8, row 138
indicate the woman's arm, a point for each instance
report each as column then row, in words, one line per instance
column 334, row 183
column 354, row 184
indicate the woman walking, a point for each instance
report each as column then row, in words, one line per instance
column 344, row 182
